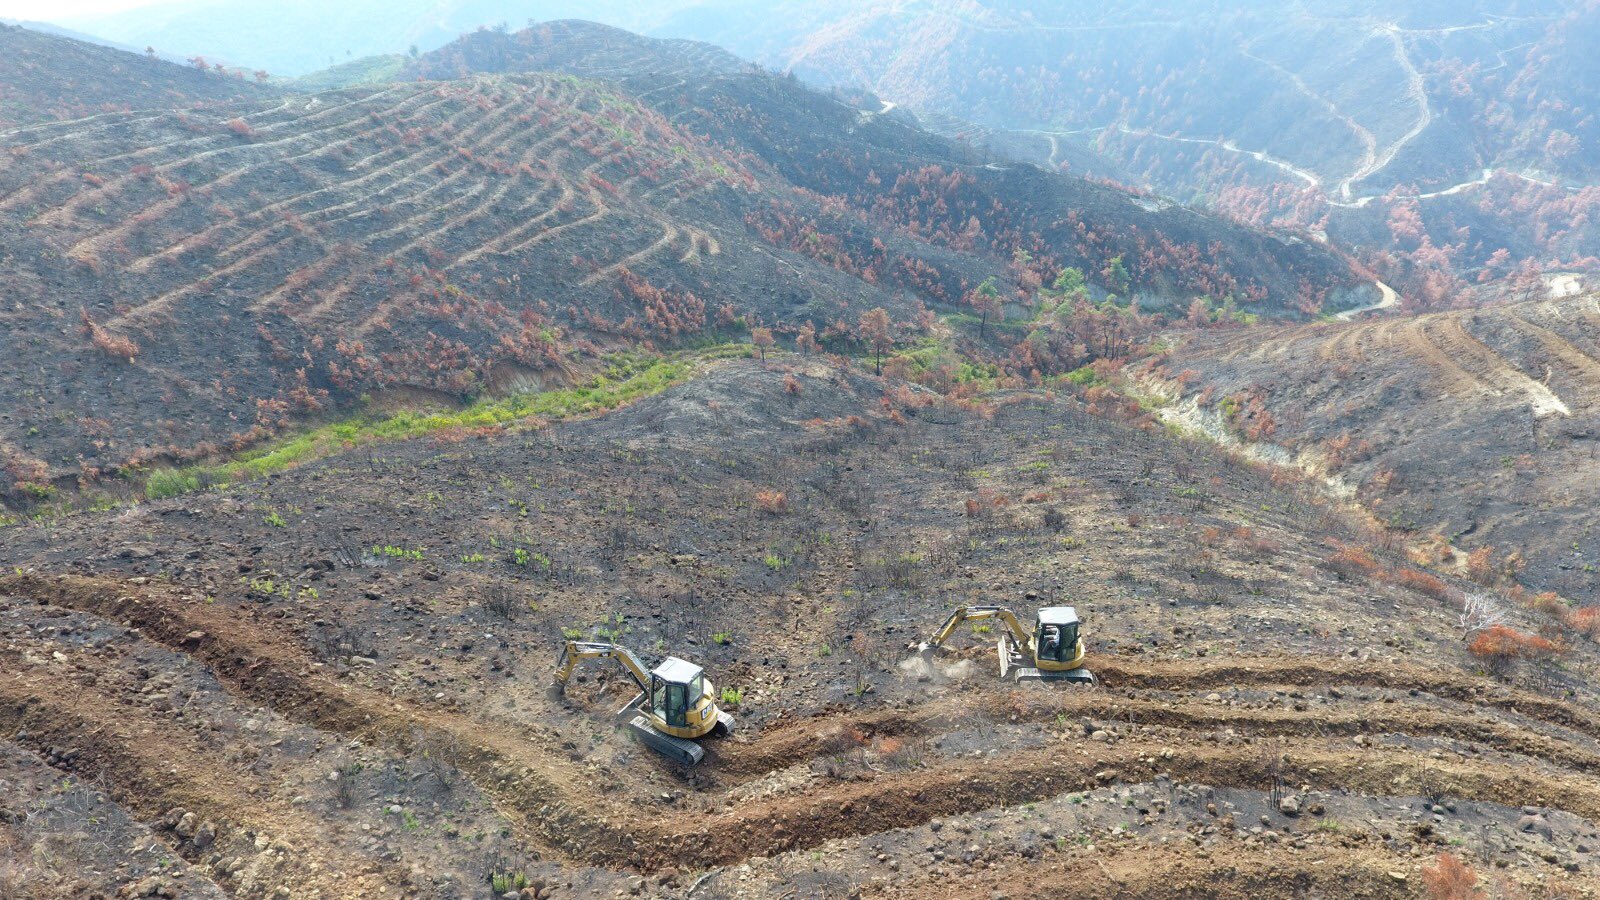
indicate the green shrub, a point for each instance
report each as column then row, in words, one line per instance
column 164, row 483
column 611, row 629
column 506, row 882
column 1083, row 377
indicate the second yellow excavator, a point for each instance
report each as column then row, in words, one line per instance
column 1053, row 651
column 675, row 707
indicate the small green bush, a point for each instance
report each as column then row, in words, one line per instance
column 164, row 483
column 506, row 882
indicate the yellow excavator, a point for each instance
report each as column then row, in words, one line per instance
column 1053, row 651
column 675, row 707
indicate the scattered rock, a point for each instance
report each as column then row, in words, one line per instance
column 154, row 886
column 1536, row 824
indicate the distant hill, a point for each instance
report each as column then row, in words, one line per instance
column 1450, row 143
column 296, row 37
column 863, row 152
column 367, row 70
column 209, row 280
column 582, row 47
column 58, row 31
column 1375, row 122
column 46, row 77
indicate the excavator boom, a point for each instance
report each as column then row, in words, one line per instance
column 574, row 652
column 965, row 613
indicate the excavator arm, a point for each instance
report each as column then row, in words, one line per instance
column 965, row 613
column 574, row 652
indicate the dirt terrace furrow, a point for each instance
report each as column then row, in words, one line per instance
column 413, row 225
column 151, row 768
column 32, row 189
column 532, row 789
column 260, row 245
column 1174, row 872
column 209, row 233
column 409, row 164
column 274, row 674
column 781, row 745
column 1197, row 675
column 898, row 801
column 63, row 214
column 1412, row 720
column 96, row 241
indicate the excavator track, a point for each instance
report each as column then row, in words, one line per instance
column 1075, row 676
column 677, row 749
column 680, row 750
column 1013, row 667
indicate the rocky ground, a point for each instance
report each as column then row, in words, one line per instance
column 331, row 682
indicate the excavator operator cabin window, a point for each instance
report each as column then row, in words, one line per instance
column 697, row 687
column 658, row 697
column 1049, row 642
column 1057, row 643
column 677, row 705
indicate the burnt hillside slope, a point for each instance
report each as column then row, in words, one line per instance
column 45, row 78
column 184, row 284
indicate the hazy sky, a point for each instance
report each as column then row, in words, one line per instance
column 48, row 10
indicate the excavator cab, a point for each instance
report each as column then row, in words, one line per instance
column 1056, row 634
column 676, row 688
column 1057, row 650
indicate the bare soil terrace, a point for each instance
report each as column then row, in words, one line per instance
column 352, row 658
column 1475, row 428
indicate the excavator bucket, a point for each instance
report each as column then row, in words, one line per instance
column 556, row 690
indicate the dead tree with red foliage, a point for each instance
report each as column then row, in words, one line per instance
column 876, row 332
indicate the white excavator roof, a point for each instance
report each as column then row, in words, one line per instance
column 1058, row 615
column 676, row 671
